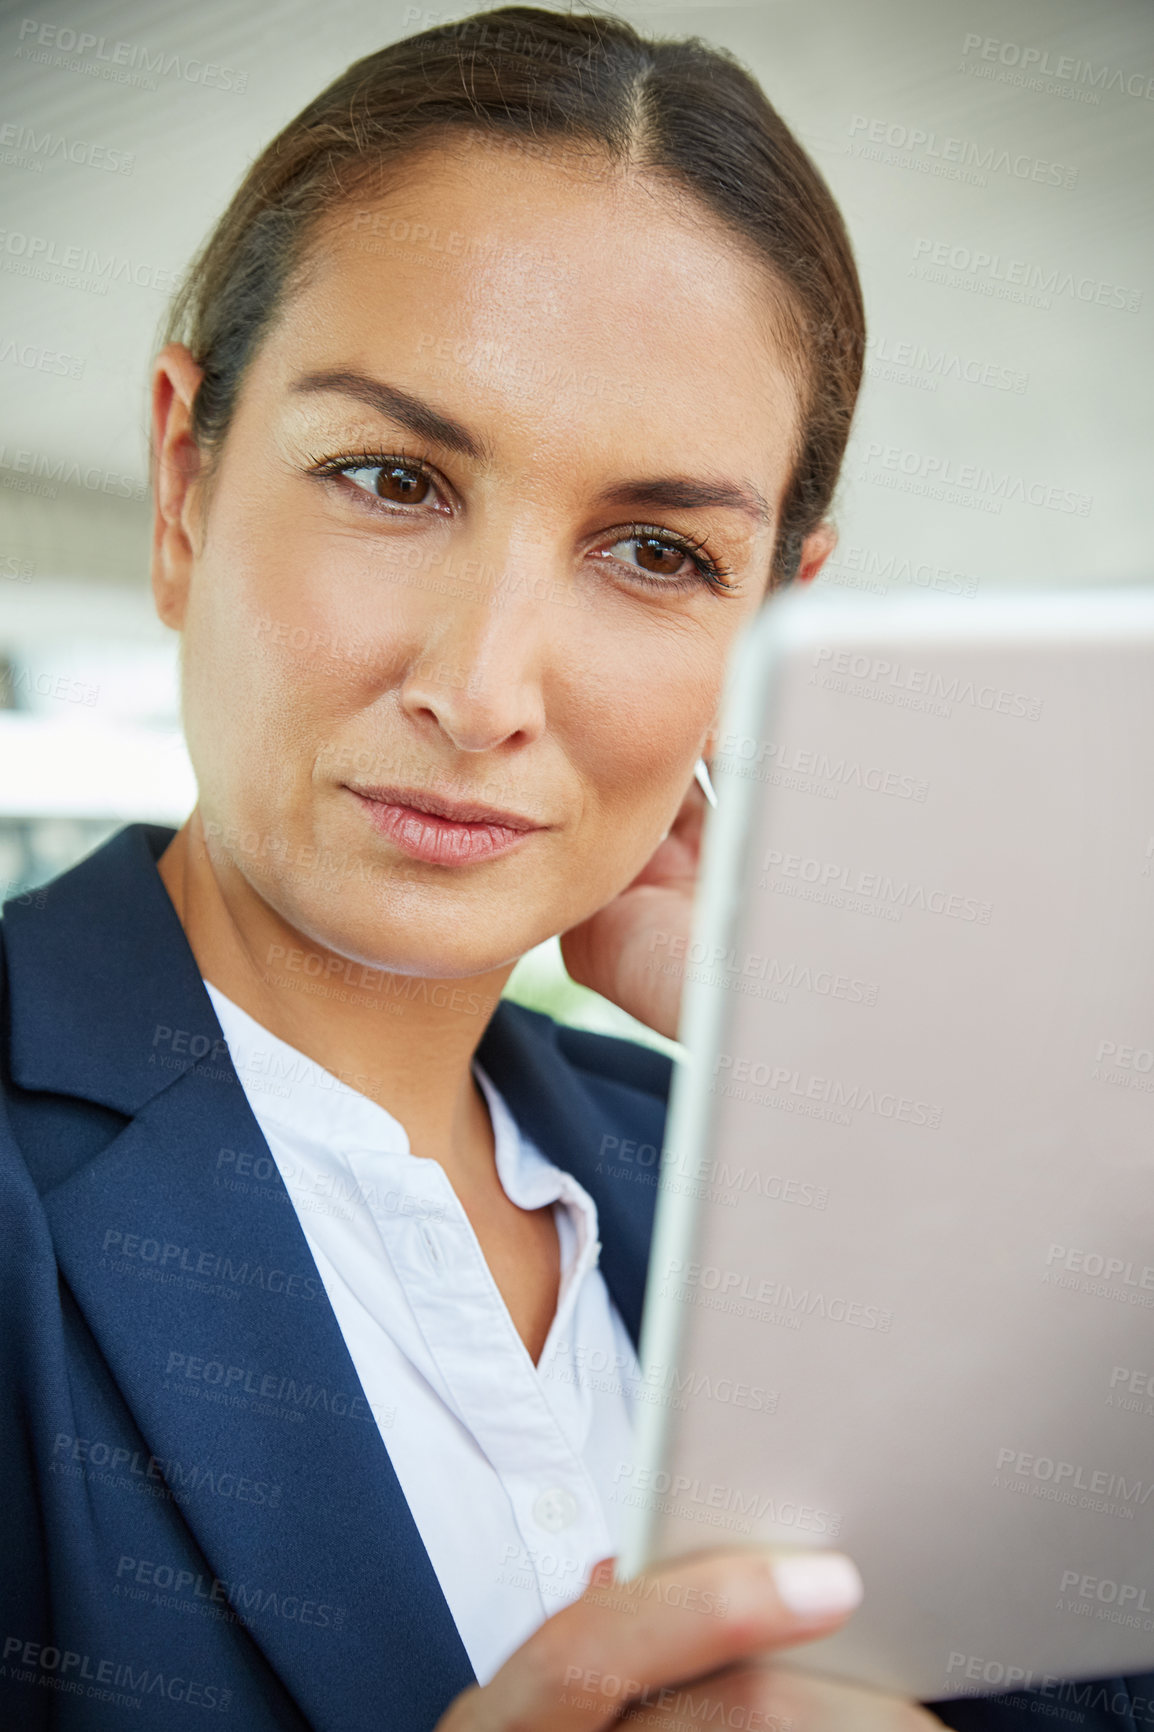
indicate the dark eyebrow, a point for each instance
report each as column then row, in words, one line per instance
column 410, row 412
column 663, row 493
column 686, row 493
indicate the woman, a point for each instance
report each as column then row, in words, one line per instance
column 515, row 377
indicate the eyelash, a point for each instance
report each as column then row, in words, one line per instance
column 712, row 572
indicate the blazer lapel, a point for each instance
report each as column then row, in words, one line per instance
column 284, row 1480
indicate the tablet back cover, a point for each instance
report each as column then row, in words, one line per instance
column 901, row 1293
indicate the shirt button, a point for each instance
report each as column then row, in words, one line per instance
column 555, row 1509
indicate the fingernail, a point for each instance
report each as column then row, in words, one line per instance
column 815, row 1583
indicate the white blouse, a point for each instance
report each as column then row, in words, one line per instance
column 507, row 1466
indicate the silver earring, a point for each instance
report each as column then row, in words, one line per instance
column 701, row 771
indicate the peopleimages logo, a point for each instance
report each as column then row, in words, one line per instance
column 1040, row 63
column 886, row 676
column 743, row 755
column 35, row 148
column 829, row 879
column 828, row 1090
column 702, row 1500
column 55, row 472
column 767, row 1299
column 174, row 1588
column 1105, row 1591
column 1010, row 273
column 79, row 266
column 121, row 62
column 867, row 568
column 1082, row 1262
column 1060, row 1478
column 102, row 1679
column 901, row 360
column 969, row 483
column 94, row 1458
column 725, row 965
column 40, row 360
column 246, row 1381
column 906, row 146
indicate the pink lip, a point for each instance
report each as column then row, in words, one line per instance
column 442, row 832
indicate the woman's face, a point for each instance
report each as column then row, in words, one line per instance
column 500, row 490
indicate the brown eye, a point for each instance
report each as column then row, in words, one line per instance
column 400, row 485
column 397, row 483
column 658, row 556
column 650, row 553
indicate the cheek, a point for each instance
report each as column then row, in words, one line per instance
column 259, row 676
column 641, row 727
column 265, row 613
column 324, row 617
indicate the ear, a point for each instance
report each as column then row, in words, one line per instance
column 176, row 467
column 815, row 550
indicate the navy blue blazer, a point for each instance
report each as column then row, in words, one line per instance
column 172, row 1560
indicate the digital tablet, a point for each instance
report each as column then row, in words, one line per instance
column 901, row 1292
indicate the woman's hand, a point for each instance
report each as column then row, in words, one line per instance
column 623, row 951
column 686, row 1646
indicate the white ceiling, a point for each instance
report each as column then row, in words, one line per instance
column 1082, row 424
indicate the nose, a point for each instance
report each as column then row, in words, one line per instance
column 479, row 678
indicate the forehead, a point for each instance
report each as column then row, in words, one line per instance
column 551, row 293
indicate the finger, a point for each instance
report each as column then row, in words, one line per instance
column 688, row 1618
column 620, row 953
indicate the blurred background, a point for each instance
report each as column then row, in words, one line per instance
column 993, row 159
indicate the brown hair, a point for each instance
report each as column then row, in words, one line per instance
column 681, row 109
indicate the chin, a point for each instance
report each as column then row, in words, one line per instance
column 406, row 931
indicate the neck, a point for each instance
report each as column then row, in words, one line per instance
column 405, row 1041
